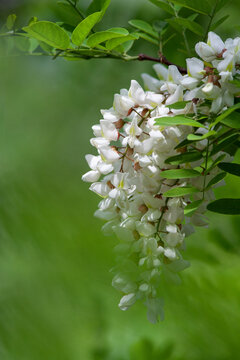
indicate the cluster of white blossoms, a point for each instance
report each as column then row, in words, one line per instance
column 128, row 173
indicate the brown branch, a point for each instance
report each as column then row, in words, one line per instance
column 163, row 60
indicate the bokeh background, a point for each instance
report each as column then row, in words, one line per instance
column 56, row 299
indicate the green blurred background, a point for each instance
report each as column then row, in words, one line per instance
column 56, row 299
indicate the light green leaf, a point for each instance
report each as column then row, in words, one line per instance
column 145, row 27
column 163, row 5
column 187, row 24
column 50, row 33
column 191, row 208
column 184, row 158
column 193, row 137
column 83, row 29
column 179, row 173
column 225, row 206
column 177, row 120
column 216, row 179
column 231, row 168
column 22, row 43
column 102, row 36
column 113, row 43
column 226, row 113
column 11, row 21
column 180, row 191
column 178, row 105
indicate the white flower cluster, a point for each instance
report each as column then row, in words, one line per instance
column 132, row 151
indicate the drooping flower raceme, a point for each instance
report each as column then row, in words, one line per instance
column 150, row 177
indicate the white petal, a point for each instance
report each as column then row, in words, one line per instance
column 136, row 92
column 109, row 130
column 161, row 71
column 150, row 83
column 195, row 67
column 215, row 42
column 91, row 176
column 92, row 161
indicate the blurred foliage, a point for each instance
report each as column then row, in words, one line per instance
column 56, row 300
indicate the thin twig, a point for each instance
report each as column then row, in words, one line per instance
column 163, row 60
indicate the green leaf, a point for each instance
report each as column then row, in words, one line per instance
column 180, row 191
column 231, row 168
column 200, row 6
column 225, row 206
column 113, row 43
column 215, row 162
column 148, row 38
column 216, row 179
column 235, row 82
column 232, row 120
column 184, row 158
column 145, row 27
column 219, row 22
column 223, row 145
column 98, row 5
column 186, row 24
column 179, row 173
column 226, row 113
column 11, row 21
column 178, row 105
column 68, row 13
column 177, row 120
column 193, row 137
column 191, row 208
column 22, row 43
column 83, row 29
column 102, row 36
column 163, row 5
column 50, row 33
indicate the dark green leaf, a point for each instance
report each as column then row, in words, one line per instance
column 98, row 5
column 102, row 36
column 226, row 113
column 179, row 173
column 200, row 6
column 193, row 137
column 68, row 13
column 11, row 21
column 231, row 168
column 216, row 179
column 177, row 120
column 219, row 22
column 187, row 24
column 225, row 206
column 163, row 5
column 83, row 29
column 191, row 208
column 223, row 145
column 180, row 191
column 50, row 33
column 232, row 120
column 145, row 27
column 184, row 158
column 148, row 38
